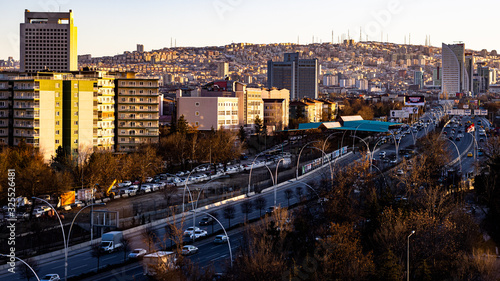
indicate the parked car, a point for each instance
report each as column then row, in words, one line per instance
column 189, row 250
column 137, row 253
column 221, row 239
column 469, row 154
column 149, row 179
column 206, row 221
column 51, row 277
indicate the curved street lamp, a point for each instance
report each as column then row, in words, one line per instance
column 36, row 276
column 298, row 159
column 72, row 222
column 64, row 237
column 458, row 152
column 228, row 243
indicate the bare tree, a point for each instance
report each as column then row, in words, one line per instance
column 260, row 204
column 246, row 208
column 96, row 252
column 288, row 195
column 25, row 271
column 149, row 235
column 126, row 247
column 229, row 213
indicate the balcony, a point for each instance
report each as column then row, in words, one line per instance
column 27, row 125
column 25, row 115
column 30, row 97
column 27, row 106
column 26, row 135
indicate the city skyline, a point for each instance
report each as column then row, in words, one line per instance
column 158, row 24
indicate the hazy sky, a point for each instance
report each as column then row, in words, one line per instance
column 110, row 27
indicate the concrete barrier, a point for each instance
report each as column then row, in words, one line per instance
column 106, row 200
column 117, row 196
column 98, row 201
column 125, row 195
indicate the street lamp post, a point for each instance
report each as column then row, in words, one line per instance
column 276, row 179
column 25, row 263
column 185, row 185
column 458, row 152
column 64, row 238
column 228, row 242
column 298, row 159
column 72, row 222
column 408, row 257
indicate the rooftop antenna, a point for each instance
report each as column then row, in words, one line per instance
column 405, row 39
column 348, row 34
column 387, row 38
column 170, row 42
column 298, row 40
column 332, row 36
column 360, row 38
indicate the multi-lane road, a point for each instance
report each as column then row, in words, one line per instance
column 81, row 261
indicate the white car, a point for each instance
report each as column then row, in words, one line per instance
column 137, row 253
column 189, row 230
column 127, row 183
column 51, row 277
column 149, row 179
column 198, row 234
column 189, row 250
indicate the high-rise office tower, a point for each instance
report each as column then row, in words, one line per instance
column 470, row 61
column 48, row 41
column 222, row 69
column 453, row 63
column 437, row 75
column 300, row 76
column 140, row 48
column 418, row 78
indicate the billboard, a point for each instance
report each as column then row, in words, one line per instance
column 411, row 110
column 480, row 112
column 67, row 198
column 399, row 114
column 415, row 100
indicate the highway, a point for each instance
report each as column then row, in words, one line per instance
column 81, row 261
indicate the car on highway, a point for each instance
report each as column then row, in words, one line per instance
column 271, row 210
column 137, row 253
column 221, row 239
column 189, row 250
column 457, row 139
column 469, row 154
column 382, row 154
column 189, row 231
column 400, row 172
column 206, row 221
column 481, row 140
column 198, row 234
column 51, row 277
